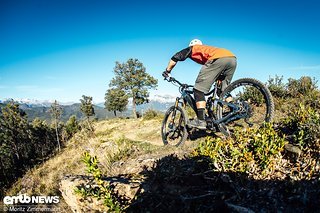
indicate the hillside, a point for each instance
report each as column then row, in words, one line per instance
column 138, row 167
column 123, row 167
column 38, row 109
column 114, row 140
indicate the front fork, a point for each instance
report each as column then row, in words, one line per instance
column 171, row 123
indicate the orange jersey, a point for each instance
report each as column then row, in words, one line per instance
column 201, row 53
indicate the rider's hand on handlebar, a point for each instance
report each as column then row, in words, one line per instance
column 166, row 74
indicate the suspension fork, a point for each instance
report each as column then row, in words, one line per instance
column 176, row 104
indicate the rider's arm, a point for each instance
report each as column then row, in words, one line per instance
column 171, row 65
column 179, row 56
column 182, row 55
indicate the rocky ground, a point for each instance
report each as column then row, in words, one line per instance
column 177, row 183
column 145, row 176
column 169, row 179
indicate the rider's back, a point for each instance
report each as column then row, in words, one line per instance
column 203, row 53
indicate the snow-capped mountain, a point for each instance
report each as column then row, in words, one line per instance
column 34, row 102
column 163, row 98
column 40, row 108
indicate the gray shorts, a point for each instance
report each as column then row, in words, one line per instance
column 214, row 69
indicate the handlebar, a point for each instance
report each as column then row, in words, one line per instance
column 184, row 86
column 172, row 79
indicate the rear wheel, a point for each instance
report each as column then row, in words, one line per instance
column 174, row 127
column 255, row 104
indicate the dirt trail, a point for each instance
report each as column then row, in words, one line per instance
column 135, row 130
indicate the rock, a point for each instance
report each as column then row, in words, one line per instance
column 67, row 187
column 124, row 187
column 124, row 178
column 293, row 149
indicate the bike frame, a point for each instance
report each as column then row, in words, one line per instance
column 187, row 99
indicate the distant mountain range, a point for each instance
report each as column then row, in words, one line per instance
column 40, row 109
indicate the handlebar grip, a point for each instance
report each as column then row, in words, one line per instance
column 169, row 79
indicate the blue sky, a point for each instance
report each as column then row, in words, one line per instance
column 63, row 49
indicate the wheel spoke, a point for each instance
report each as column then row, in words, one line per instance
column 173, row 129
column 254, row 104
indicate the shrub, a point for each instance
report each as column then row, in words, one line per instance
column 265, row 145
column 252, row 94
column 71, row 127
column 251, row 150
column 277, row 87
column 303, row 124
column 103, row 190
column 301, row 87
column 150, row 114
column 312, row 99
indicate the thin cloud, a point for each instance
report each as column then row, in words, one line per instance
column 37, row 89
column 48, row 77
column 307, row 68
column 54, row 89
column 27, row 88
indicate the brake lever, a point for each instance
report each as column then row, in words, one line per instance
column 168, row 78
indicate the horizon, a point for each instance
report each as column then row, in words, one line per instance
column 159, row 98
column 153, row 97
column 61, row 50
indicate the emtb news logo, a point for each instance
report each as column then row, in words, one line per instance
column 25, row 199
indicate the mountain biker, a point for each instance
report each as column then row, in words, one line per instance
column 217, row 63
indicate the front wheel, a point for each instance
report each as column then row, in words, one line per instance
column 255, row 104
column 174, row 126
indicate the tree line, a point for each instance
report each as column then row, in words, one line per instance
column 25, row 144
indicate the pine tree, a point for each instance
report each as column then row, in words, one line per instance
column 43, row 139
column 132, row 78
column 116, row 100
column 72, row 127
column 55, row 112
column 87, row 109
column 15, row 149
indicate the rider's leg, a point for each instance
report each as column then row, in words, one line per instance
column 201, row 109
column 230, row 67
column 208, row 75
column 227, row 73
column 200, row 103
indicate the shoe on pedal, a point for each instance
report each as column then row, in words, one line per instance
column 199, row 124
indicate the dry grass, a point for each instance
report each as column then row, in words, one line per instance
column 133, row 129
column 44, row 179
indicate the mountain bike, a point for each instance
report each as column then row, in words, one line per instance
column 245, row 103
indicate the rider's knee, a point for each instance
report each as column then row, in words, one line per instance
column 198, row 95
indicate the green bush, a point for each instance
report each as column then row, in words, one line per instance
column 303, row 124
column 250, row 151
column 150, row 114
column 252, row 94
column 71, row 127
column 102, row 190
column 301, row 87
column 277, row 87
column 22, row 144
column 312, row 99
